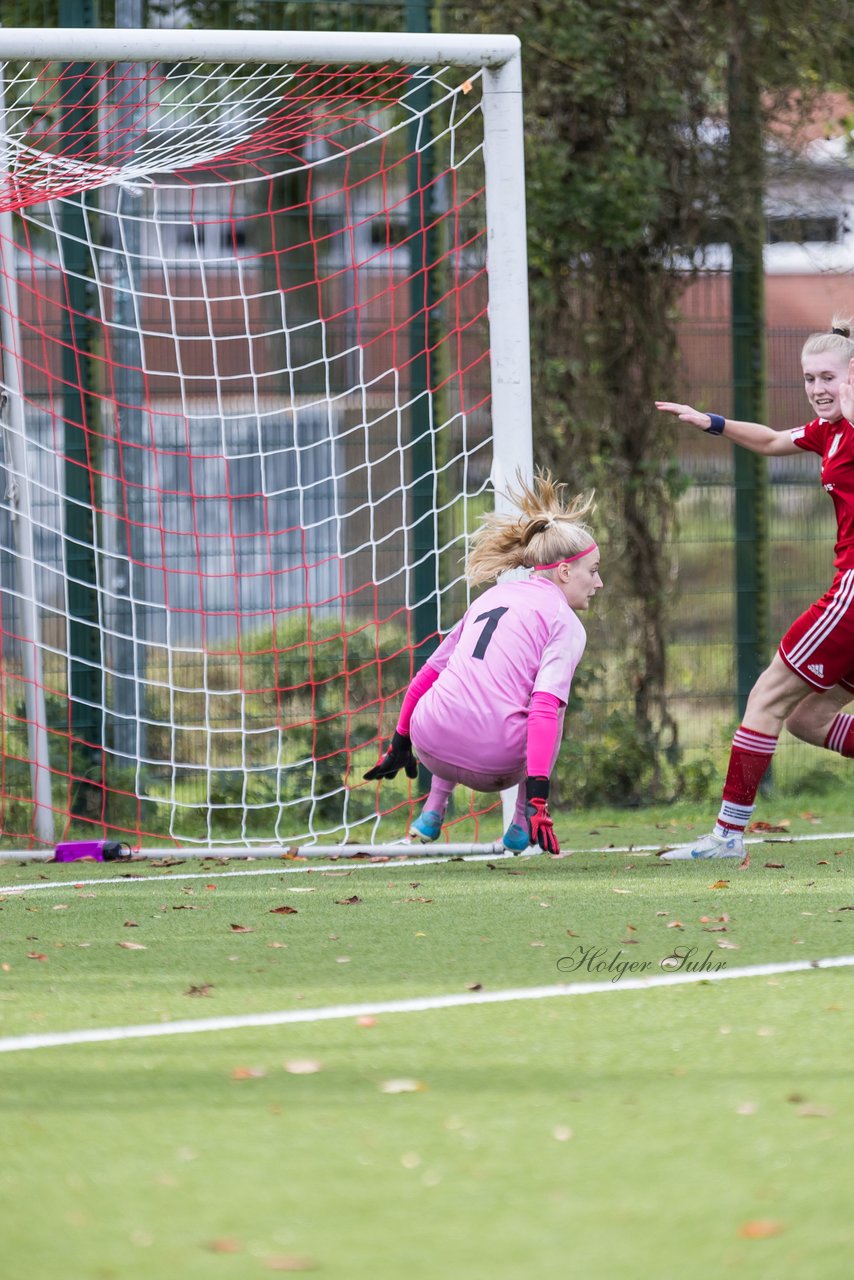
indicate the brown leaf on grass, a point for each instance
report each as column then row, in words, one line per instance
column 186, row 906
column 720, row 884
column 302, row 1066
column 131, row 924
column 419, row 899
column 474, row 986
column 348, row 902
column 241, row 928
column 770, row 826
column 227, row 1244
column 715, row 928
column 132, row 946
column 167, row 862
column 675, row 924
column 776, row 866
column 283, row 911
column 402, row 1085
column 760, row 1229
column 248, row 1073
column 204, row 989
column 36, row 955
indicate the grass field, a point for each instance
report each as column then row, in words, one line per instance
column 698, row 1127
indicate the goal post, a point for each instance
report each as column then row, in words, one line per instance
column 265, row 354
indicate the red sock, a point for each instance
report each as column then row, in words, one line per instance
column 840, row 736
column 750, row 756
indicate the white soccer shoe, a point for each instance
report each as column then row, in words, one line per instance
column 731, row 846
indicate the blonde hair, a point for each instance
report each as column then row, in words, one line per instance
column 543, row 529
column 838, row 340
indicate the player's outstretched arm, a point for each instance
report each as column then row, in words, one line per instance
column 754, row 436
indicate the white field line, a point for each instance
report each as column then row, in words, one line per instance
column 417, row 1004
column 397, row 849
column 387, row 862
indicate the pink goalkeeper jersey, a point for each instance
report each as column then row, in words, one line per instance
column 517, row 639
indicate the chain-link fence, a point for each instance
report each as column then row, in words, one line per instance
column 702, row 661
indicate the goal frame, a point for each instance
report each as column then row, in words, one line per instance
column 499, row 57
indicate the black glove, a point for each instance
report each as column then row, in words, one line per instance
column 399, row 756
column 540, row 827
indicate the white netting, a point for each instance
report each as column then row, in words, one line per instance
column 245, row 355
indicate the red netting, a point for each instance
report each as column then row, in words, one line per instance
column 247, row 428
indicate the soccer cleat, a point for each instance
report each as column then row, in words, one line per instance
column 427, row 827
column 516, row 838
column 712, row 846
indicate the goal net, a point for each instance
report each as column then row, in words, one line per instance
column 251, row 356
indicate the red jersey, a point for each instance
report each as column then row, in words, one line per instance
column 834, row 442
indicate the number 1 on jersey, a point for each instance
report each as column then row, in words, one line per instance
column 492, row 619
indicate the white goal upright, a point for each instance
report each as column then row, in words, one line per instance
column 263, row 316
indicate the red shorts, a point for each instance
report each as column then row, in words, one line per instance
column 819, row 645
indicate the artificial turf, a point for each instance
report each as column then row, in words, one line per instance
column 700, row 1129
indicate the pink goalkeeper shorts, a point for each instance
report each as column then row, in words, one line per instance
column 468, row 777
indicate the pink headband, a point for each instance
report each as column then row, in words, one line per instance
column 569, row 559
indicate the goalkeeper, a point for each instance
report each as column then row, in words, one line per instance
column 486, row 710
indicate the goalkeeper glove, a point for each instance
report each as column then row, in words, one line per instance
column 398, row 756
column 540, row 827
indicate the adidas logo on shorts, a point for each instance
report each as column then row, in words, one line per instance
column 817, row 668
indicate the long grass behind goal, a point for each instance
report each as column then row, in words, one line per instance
column 264, row 361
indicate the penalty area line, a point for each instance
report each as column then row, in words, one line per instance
column 416, row 1004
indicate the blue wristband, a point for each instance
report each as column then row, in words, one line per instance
column 718, row 424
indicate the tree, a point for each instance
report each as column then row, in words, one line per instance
column 624, row 182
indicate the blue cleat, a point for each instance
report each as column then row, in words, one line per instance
column 428, row 826
column 516, row 838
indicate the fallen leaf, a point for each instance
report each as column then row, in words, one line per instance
column 248, row 1073
column 36, row 955
column 348, row 902
column 720, row 884
column 775, row 866
column 226, row 1245
column 404, row 1085
column 132, row 946
column 366, row 1020
column 474, row 986
column 770, row 826
column 283, row 911
column 675, row 924
column 241, row 928
column 204, row 989
column 131, row 924
column 302, row 1066
column 810, row 1111
column 760, row 1229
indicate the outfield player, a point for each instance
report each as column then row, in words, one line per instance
column 811, row 677
column 486, row 709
